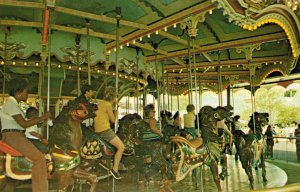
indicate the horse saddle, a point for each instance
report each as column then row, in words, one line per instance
column 196, row 143
column 5, row 148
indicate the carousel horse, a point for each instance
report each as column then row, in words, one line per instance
column 225, row 145
column 67, row 134
column 205, row 150
column 96, row 148
column 252, row 146
column 148, row 158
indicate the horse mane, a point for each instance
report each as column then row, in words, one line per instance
column 257, row 115
column 61, row 131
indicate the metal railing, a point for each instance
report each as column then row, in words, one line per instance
column 285, row 148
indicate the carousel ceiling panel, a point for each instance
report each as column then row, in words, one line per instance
column 65, row 19
column 229, row 28
column 17, row 46
column 226, row 31
column 27, row 14
column 63, row 46
column 130, row 10
column 169, row 7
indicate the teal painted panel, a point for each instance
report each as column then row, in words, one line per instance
column 167, row 2
column 130, row 10
column 56, row 78
column 62, row 39
column 25, row 35
column 164, row 2
column 19, row 12
column 223, row 22
column 128, row 54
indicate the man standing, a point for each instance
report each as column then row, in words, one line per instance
column 297, row 135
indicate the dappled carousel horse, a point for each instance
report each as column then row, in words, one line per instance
column 64, row 134
column 252, row 146
column 67, row 134
column 205, row 150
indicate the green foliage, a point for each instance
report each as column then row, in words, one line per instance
column 275, row 102
column 290, row 93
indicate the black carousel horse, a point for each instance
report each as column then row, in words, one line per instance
column 252, row 146
column 148, row 158
column 62, row 159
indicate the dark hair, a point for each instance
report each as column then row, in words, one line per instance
column 190, row 107
column 147, row 109
column 17, row 85
column 237, row 117
column 85, row 88
column 176, row 115
column 31, row 112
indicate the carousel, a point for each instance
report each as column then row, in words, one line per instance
column 165, row 48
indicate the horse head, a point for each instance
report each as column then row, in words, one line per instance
column 66, row 130
column 223, row 113
column 208, row 113
column 128, row 129
column 259, row 120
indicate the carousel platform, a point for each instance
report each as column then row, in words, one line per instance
column 237, row 181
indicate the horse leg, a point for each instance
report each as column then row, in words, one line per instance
column 64, row 181
column 89, row 177
column 250, row 176
column 247, row 166
column 7, row 185
column 214, row 170
column 237, row 153
column 224, row 172
column 165, row 186
column 263, row 167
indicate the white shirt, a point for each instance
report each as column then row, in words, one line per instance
column 9, row 109
column 33, row 128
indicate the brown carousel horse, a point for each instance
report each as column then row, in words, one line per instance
column 252, row 146
column 65, row 132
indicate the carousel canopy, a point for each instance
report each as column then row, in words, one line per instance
column 176, row 43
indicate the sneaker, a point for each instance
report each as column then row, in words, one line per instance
column 116, row 175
